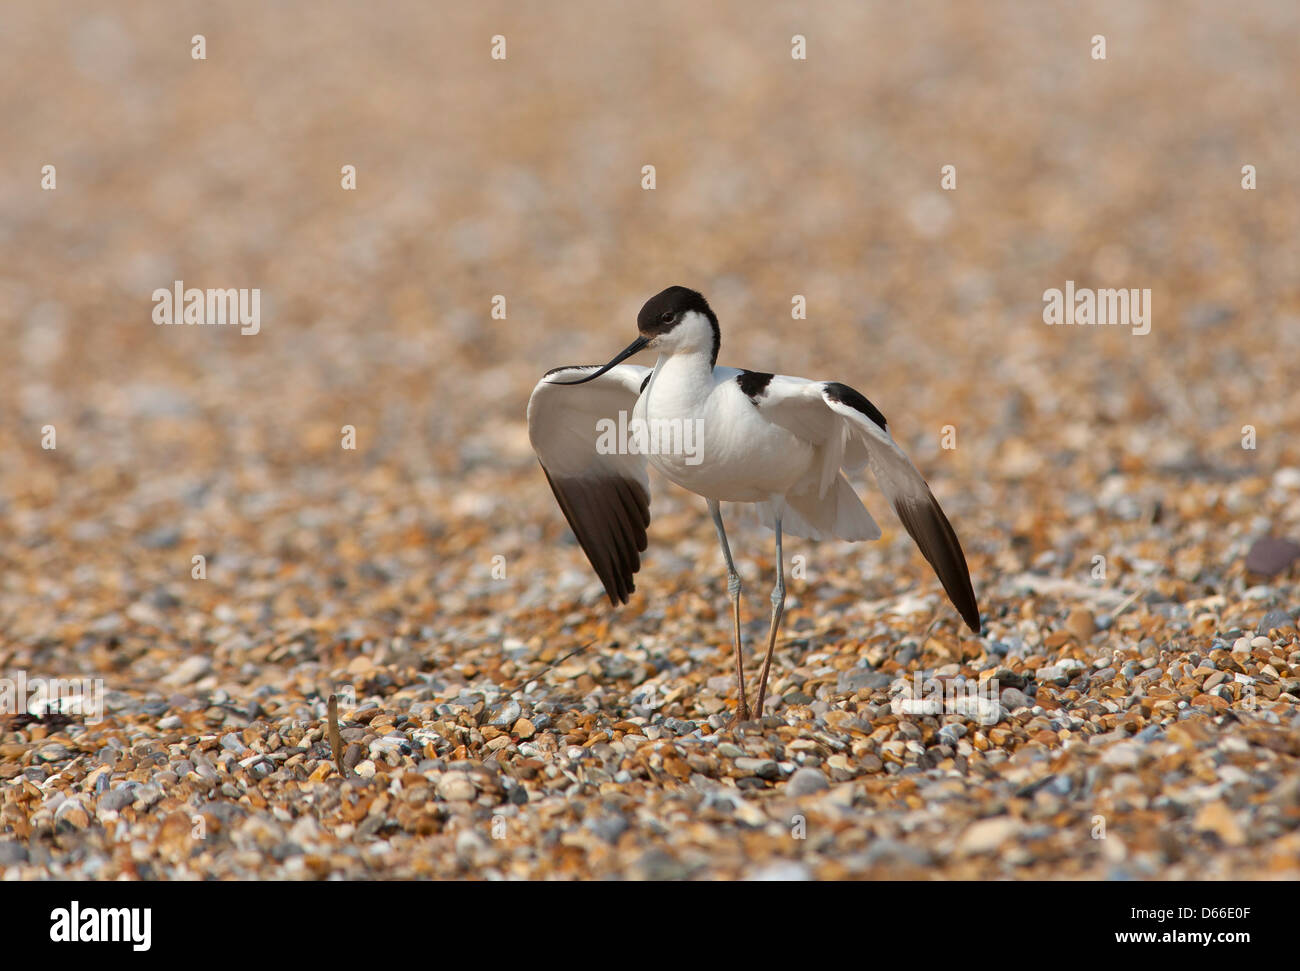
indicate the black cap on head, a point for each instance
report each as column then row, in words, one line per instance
column 665, row 310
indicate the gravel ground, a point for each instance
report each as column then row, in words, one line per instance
column 1139, row 669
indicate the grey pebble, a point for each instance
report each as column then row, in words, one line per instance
column 117, row 799
column 806, row 781
column 508, row 715
column 12, row 852
column 952, row 733
column 608, row 827
column 1274, row 618
column 763, row 768
column 1013, row 698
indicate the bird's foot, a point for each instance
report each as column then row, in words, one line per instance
column 741, row 716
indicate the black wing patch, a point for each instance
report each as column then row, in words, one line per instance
column 845, row 395
column 754, row 384
column 609, row 517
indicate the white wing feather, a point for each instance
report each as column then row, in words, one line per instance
column 604, row 496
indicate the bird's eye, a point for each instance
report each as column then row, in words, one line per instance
column 666, row 316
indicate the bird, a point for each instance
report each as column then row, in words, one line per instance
column 778, row 442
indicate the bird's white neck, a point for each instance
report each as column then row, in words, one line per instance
column 683, row 375
column 682, row 379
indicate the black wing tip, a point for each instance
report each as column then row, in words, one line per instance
column 617, row 599
column 844, row 395
column 933, row 534
column 970, row 613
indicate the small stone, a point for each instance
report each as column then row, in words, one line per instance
column 1271, row 555
column 352, row 755
column 986, row 835
column 508, row 715
column 116, row 799
column 1081, row 624
column 805, row 782
column 455, row 787
column 1014, row 698
column 763, row 768
column 73, row 813
column 1053, row 675
column 146, row 796
column 524, row 728
column 953, row 733
column 1218, row 819
column 12, row 853
column 188, row 671
column 1123, row 755
column 986, row 711
column 1241, row 645
column 1276, row 620
column 859, row 678
column 608, row 827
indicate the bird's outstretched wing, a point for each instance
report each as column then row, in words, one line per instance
column 603, row 494
column 852, row 433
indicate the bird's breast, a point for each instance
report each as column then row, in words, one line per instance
column 719, row 445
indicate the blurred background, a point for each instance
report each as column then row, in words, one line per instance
column 522, row 177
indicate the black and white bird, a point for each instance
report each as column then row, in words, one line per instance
column 780, row 442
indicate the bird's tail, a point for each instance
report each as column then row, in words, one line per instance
column 840, row 514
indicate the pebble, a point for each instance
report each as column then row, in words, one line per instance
column 1278, row 620
column 763, row 768
column 509, row 714
column 116, row 799
column 1081, row 624
column 986, row 835
column 1271, row 555
column 1013, row 698
column 191, row 669
column 455, row 787
column 805, row 782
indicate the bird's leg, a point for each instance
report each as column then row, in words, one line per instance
column 778, row 608
column 733, row 592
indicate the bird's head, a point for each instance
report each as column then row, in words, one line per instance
column 674, row 321
column 680, row 320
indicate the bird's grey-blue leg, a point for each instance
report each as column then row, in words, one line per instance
column 778, row 608
column 733, row 591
